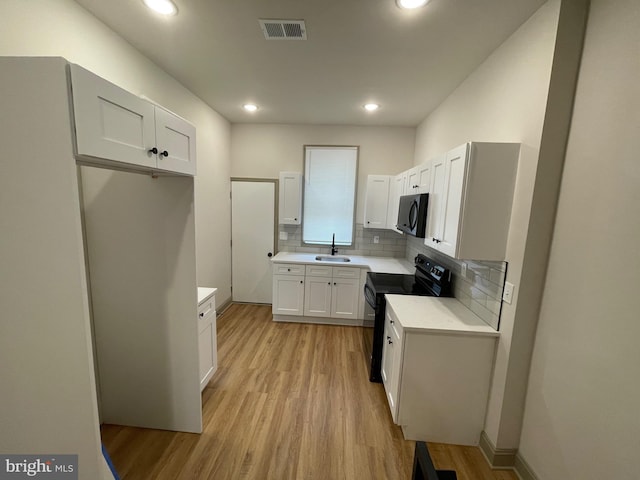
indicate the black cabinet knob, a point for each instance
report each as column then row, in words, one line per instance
column 153, row 150
column 164, row 153
column 202, row 315
column 269, row 254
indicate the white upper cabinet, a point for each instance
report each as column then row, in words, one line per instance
column 470, row 200
column 117, row 128
column 376, row 203
column 290, row 198
column 176, row 143
column 396, row 189
column 418, row 179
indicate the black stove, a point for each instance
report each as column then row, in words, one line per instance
column 429, row 279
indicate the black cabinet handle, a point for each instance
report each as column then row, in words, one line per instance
column 153, row 150
column 300, row 281
column 389, row 340
column 164, row 153
column 269, row 254
column 202, row 315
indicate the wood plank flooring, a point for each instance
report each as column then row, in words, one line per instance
column 289, row 401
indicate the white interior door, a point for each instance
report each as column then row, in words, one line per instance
column 252, row 239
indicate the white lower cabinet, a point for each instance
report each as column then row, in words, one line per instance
column 319, row 291
column 331, row 291
column 288, row 295
column 207, row 339
column 437, row 384
column 317, row 294
column 390, row 365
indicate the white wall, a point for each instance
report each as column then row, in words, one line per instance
column 262, row 151
column 504, row 100
column 63, row 28
column 581, row 418
column 48, row 400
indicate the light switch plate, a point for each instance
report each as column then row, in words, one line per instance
column 376, row 239
column 284, row 236
column 463, row 269
column 507, row 294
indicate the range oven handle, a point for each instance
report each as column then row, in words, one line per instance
column 370, row 296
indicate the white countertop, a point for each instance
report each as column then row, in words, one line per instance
column 374, row 264
column 204, row 293
column 438, row 315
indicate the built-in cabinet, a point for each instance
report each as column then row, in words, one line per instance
column 377, row 201
column 470, row 200
column 118, row 129
column 111, row 256
column 207, row 336
column 436, row 382
column 288, row 289
column 384, row 192
column 290, row 198
column 316, row 291
column 418, row 179
column 331, row 291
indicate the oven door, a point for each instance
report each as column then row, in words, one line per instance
column 369, row 306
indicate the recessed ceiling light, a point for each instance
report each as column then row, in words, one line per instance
column 250, row 107
column 164, row 7
column 371, row 107
column 411, row 3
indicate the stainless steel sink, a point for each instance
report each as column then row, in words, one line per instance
column 334, row 258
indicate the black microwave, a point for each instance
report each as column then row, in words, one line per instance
column 412, row 214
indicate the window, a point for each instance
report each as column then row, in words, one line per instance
column 329, row 195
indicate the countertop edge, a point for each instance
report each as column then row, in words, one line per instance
column 207, row 296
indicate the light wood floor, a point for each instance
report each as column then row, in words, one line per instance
column 289, row 401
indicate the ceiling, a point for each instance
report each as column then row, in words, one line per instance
column 357, row 51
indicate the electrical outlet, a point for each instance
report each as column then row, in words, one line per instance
column 463, row 269
column 376, row 239
column 507, row 294
column 284, row 235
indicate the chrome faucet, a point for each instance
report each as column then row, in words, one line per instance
column 334, row 250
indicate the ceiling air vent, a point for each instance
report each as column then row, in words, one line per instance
column 283, row 29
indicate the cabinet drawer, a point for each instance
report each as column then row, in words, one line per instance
column 288, row 269
column 346, row 272
column 206, row 314
column 207, row 306
column 318, row 271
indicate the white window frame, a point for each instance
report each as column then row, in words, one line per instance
column 342, row 244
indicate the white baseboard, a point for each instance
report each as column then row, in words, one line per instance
column 505, row 458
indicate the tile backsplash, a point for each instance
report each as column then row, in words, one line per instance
column 391, row 244
column 480, row 289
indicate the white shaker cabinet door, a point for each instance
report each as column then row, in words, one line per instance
column 455, row 168
column 423, row 177
column 290, row 196
column 176, row 143
column 436, row 202
column 288, row 295
column 376, row 202
column 317, row 296
column 111, row 123
column 344, row 297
